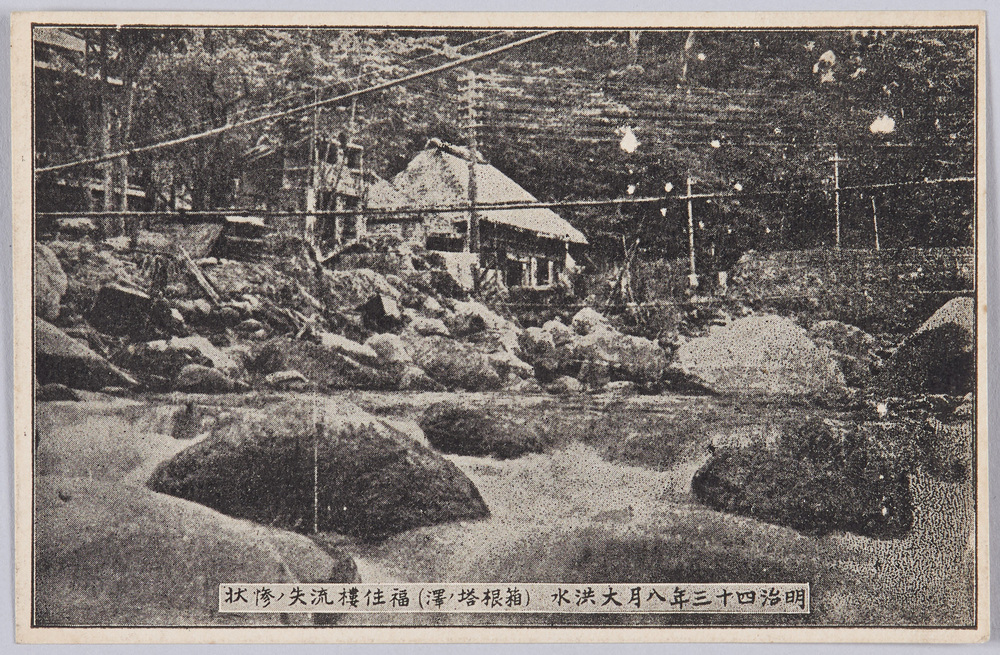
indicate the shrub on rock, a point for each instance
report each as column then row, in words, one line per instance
column 460, row 430
column 373, row 480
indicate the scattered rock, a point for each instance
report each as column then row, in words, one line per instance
column 196, row 378
column 565, row 384
column 562, row 334
column 121, row 311
column 455, row 364
column 287, row 380
column 107, row 554
column 762, row 355
column 356, row 351
column 374, row 481
column 939, row 357
column 381, row 313
column 390, row 349
column 415, row 378
column 50, row 283
column 249, row 326
column 427, row 327
column 505, row 362
column 62, row 359
column 587, row 320
column 55, row 391
column 453, row 428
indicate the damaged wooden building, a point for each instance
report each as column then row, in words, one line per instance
column 522, row 246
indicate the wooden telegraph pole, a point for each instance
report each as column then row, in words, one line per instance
column 875, row 224
column 473, row 145
column 693, row 277
column 836, row 192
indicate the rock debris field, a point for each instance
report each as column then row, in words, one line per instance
column 292, row 422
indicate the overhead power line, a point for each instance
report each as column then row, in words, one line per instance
column 295, row 110
column 485, row 206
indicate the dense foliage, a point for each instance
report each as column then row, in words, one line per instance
column 753, row 113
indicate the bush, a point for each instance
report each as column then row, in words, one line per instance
column 459, row 430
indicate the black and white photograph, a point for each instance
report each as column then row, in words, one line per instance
column 668, row 328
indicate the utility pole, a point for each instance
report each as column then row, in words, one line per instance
column 836, row 192
column 309, row 228
column 875, row 224
column 473, row 145
column 693, row 277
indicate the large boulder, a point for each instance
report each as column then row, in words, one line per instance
column 381, row 313
column 565, row 384
column 121, row 310
column 853, row 348
column 196, row 378
column 427, row 327
column 50, row 283
column 454, row 428
column 390, row 349
column 373, row 480
column 505, row 362
column 475, row 320
column 61, row 359
column 621, row 356
column 156, row 362
column 816, row 478
column 561, row 333
column 588, row 320
column 762, row 355
column 454, row 364
column 108, row 554
column 349, row 289
column 327, row 366
column 350, row 348
column 939, row 357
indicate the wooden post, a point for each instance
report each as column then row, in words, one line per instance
column 309, row 225
column 836, row 193
column 875, row 224
column 693, row 277
column 473, row 144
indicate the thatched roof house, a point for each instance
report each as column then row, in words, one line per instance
column 525, row 246
column 439, row 175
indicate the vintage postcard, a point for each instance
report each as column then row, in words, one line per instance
column 500, row 327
